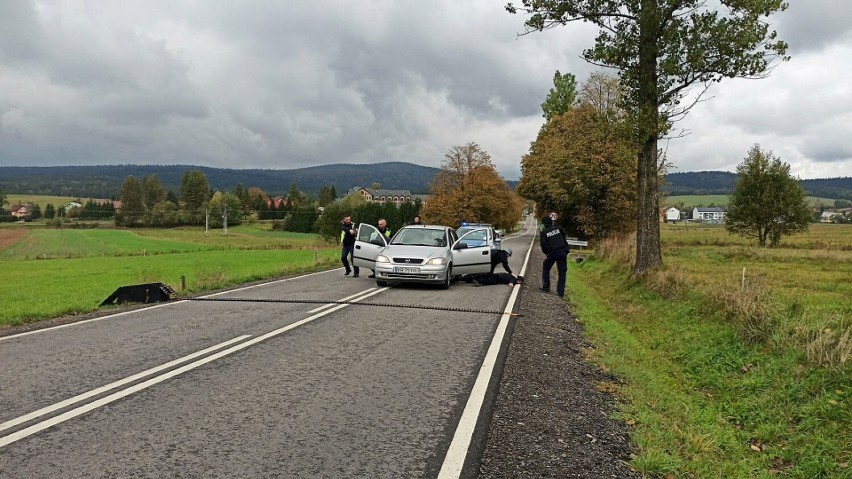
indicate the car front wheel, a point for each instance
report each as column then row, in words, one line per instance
column 449, row 278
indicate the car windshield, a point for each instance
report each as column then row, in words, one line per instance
column 420, row 237
column 474, row 239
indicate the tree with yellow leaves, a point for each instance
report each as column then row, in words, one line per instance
column 468, row 188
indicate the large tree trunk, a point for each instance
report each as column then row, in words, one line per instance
column 648, row 254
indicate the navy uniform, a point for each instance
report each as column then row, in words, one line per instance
column 499, row 256
column 555, row 246
column 347, row 239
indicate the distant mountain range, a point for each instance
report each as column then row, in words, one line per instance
column 104, row 181
column 722, row 183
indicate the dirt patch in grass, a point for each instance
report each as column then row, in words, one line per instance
column 10, row 237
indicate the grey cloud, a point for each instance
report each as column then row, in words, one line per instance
column 264, row 83
column 20, row 39
column 813, row 24
column 828, row 146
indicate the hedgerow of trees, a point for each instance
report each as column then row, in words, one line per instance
column 362, row 211
column 147, row 203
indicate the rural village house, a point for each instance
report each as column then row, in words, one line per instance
column 672, row 214
column 381, row 196
column 71, row 205
column 836, row 216
column 712, row 214
column 21, row 211
column 277, row 202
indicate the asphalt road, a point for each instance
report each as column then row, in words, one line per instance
column 251, row 389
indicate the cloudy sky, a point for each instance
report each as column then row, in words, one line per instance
column 287, row 84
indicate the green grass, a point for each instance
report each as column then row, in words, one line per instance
column 62, row 286
column 808, row 275
column 50, row 272
column 705, row 398
column 43, row 243
column 691, row 201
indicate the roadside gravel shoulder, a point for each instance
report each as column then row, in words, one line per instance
column 549, row 418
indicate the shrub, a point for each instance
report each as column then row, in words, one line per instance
column 669, row 282
column 619, row 249
column 749, row 307
column 830, row 345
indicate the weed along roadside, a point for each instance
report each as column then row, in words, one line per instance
column 725, row 377
column 84, row 267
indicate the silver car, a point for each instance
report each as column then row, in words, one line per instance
column 421, row 254
column 486, row 234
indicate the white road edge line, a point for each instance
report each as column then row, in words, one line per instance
column 16, row 436
column 454, row 460
column 77, row 323
column 122, row 382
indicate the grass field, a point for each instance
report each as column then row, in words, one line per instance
column 43, row 200
column 728, row 375
column 48, row 272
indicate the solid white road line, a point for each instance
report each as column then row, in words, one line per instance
column 122, row 382
column 454, row 460
column 77, row 323
column 16, row 436
column 344, row 299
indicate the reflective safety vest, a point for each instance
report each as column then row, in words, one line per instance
column 345, row 237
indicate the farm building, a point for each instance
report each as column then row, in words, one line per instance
column 712, row 214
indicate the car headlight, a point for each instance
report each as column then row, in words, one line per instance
column 437, row 261
column 382, row 259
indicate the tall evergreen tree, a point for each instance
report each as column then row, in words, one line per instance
column 194, row 195
column 132, row 206
column 152, row 190
column 327, row 195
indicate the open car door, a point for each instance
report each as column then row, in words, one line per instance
column 368, row 244
column 472, row 253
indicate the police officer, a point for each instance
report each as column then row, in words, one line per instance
column 383, row 228
column 384, row 231
column 499, row 256
column 347, row 239
column 555, row 246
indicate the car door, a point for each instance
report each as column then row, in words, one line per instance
column 368, row 245
column 474, row 256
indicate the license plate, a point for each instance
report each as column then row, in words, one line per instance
column 402, row 269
